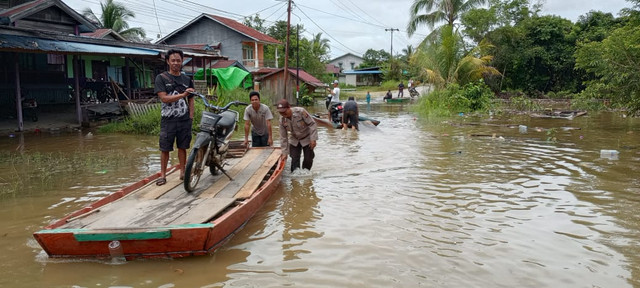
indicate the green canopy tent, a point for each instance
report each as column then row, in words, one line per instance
column 228, row 78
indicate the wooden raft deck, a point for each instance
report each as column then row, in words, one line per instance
column 170, row 204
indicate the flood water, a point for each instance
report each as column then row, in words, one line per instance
column 460, row 202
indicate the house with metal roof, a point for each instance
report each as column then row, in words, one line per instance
column 237, row 41
column 371, row 76
column 55, row 57
column 270, row 81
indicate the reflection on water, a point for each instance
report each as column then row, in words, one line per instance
column 459, row 203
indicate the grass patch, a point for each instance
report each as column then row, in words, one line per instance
column 149, row 123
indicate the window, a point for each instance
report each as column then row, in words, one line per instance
column 55, row 59
column 353, row 65
column 340, row 64
column 247, row 52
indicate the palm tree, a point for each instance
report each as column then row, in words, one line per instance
column 438, row 11
column 407, row 52
column 445, row 61
column 320, row 46
column 115, row 16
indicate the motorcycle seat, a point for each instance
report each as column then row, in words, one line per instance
column 226, row 124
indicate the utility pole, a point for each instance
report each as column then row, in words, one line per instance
column 392, row 29
column 298, row 64
column 286, row 50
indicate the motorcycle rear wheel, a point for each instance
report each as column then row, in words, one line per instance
column 193, row 169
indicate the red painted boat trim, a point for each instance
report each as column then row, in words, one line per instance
column 184, row 240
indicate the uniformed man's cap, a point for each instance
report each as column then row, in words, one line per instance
column 282, row 105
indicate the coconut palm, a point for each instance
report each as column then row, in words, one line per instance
column 446, row 61
column 438, row 11
column 115, row 16
column 320, row 46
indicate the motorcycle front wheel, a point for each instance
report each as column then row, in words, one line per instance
column 194, row 168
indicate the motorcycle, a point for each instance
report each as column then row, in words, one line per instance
column 212, row 142
column 413, row 92
column 335, row 110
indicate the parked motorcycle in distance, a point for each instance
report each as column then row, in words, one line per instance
column 413, row 92
column 212, row 142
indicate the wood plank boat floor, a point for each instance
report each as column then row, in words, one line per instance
column 170, row 204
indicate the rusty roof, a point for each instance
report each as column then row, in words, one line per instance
column 304, row 76
column 245, row 30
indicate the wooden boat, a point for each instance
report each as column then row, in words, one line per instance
column 398, row 100
column 152, row 221
column 322, row 120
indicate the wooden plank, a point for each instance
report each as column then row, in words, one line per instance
column 164, row 214
column 254, row 182
column 233, row 187
column 202, row 211
column 224, row 181
column 128, row 212
column 154, row 191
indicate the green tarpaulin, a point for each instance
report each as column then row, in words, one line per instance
column 228, row 78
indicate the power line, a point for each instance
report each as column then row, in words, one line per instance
column 327, row 33
column 391, row 29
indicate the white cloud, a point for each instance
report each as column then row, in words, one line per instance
column 352, row 26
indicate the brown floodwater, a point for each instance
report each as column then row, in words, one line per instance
column 459, row 202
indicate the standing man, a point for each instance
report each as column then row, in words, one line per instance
column 335, row 98
column 335, row 93
column 298, row 133
column 173, row 89
column 350, row 114
column 400, row 88
column 258, row 115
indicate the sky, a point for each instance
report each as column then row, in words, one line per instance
column 351, row 26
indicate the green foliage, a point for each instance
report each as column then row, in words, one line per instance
column 472, row 97
column 114, row 16
column 524, row 103
column 536, row 55
column 305, row 98
column 374, row 58
column 614, row 63
column 444, row 12
column 308, row 54
column 445, row 60
column 149, row 123
column 478, row 96
column 143, row 124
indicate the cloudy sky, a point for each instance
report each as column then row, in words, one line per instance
column 352, row 26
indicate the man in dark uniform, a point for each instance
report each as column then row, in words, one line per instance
column 298, row 133
column 350, row 114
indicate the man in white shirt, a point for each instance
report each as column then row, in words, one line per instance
column 335, row 93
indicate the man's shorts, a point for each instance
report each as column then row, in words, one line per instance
column 178, row 132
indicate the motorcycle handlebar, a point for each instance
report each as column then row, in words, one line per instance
column 224, row 108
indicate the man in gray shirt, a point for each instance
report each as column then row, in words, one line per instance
column 259, row 116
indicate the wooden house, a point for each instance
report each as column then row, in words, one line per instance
column 54, row 56
column 236, row 41
column 270, row 81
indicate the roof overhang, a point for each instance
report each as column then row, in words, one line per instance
column 353, row 72
column 23, row 44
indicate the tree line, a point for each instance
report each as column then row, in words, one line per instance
column 507, row 48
